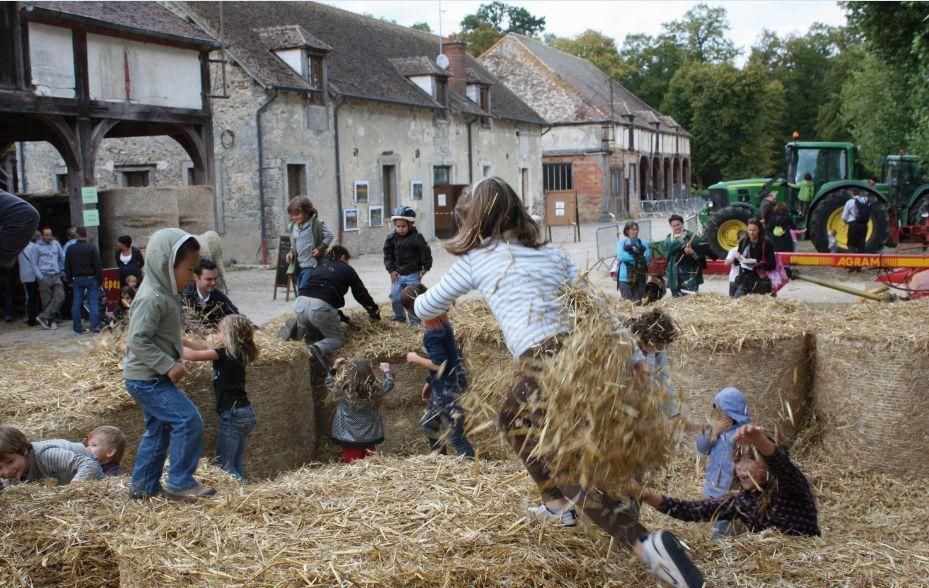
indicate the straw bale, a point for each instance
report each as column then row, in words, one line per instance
column 195, row 206
column 434, row 521
column 758, row 344
column 69, row 398
column 870, row 392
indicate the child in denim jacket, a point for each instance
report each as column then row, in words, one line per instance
column 717, row 441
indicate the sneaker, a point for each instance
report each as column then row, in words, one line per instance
column 55, row 326
column 666, row 560
column 45, row 323
column 317, row 353
column 566, row 517
column 189, row 494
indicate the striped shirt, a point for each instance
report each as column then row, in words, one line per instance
column 522, row 286
column 62, row 461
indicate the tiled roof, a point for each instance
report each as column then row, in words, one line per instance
column 360, row 61
column 141, row 17
column 418, row 66
column 290, row 37
column 592, row 86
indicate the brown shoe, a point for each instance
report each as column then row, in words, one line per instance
column 191, row 494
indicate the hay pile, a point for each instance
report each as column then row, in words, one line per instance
column 758, row 344
column 871, row 385
column 425, row 521
column 67, row 399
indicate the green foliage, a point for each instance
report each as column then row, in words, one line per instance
column 595, row 47
column 492, row 21
column 421, row 26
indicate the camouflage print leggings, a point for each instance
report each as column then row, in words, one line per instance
column 516, row 418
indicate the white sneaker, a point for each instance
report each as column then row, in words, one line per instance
column 566, row 517
column 666, row 560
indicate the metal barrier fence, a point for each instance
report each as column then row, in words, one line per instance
column 682, row 206
column 606, row 244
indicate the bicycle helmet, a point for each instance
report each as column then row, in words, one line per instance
column 404, row 213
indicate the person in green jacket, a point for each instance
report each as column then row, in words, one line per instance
column 686, row 258
column 805, row 188
column 153, row 366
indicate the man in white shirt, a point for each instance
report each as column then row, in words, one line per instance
column 856, row 214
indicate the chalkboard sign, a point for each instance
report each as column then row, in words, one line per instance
column 281, row 278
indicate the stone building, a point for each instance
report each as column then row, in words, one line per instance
column 606, row 145
column 355, row 112
column 77, row 78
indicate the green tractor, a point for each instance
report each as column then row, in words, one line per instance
column 909, row 196
column 837, row 176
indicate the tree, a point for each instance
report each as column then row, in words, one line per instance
column 652, row 62
column 595, row 47
column 422, row 26
column 703, row 31
column 492, row 21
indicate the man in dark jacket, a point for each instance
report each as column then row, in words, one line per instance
column 324, row 294
column 18, row 222
column 84, row 272
column 407, row 258
column 208, row 304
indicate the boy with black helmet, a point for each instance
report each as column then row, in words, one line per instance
column 407, row 258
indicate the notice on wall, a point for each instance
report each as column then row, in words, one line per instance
column 440, row 198
column 92, row 218
column 89, row 195
column 559, row 208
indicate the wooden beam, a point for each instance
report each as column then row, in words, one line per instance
column 28, row 103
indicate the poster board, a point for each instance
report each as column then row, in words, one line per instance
column 561, row 211
column 281, row 278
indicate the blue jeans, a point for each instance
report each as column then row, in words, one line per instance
column 443, row 408
column 396, row 288
column 234, row 426
column 171, row 421
column 303, row 277
column 85, row 287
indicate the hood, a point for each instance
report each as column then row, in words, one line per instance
column 159, row 260
column 732, row 402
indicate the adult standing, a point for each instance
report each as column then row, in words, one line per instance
column 28, row 274
column 129, row 260
column 324, row 294
column 85, row 273
column 632, row 271
column 856, row 214
column 211, row 248
column 779, row 227
column 18, row 221
column 767, row 207
column 7, row 283
column 49, row 258
column 684, row 270
column 756, row 256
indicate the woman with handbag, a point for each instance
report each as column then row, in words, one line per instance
column 756, row 258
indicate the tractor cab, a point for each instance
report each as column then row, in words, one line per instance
column 902, row 174
column 825, row 162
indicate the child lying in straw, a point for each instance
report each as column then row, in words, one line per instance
column 774, row 492
column 106, row 444
column 22, row 461
column 502, row 254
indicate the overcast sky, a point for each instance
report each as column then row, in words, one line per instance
column 614, row 18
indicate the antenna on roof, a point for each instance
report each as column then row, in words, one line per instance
column 442, row 59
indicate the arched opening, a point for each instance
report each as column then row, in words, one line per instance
column 666, row 188
column 685, row 176
column 654, row 191
column 676, row 190
column 643, row 179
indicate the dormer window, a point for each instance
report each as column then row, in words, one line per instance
column 303, row 53
column 480, row 95
column 428, row 77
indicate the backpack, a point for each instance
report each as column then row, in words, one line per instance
column 862, row 210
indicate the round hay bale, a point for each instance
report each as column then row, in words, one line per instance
column 869, row 389
column 758, row 344
column 196, row 206
column 137, row 212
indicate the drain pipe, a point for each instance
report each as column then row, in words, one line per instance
column 471, row 152
column 338, row 165
column 261, row 179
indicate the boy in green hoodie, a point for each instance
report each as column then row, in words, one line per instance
column 153, row 366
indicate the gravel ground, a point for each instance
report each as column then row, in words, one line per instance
column 251, row 291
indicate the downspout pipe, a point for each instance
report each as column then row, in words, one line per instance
column 338, row 165
column 471, row 151
column 261, row 178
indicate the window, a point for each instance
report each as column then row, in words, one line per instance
column 314, row 77
column 296, row 179
column 441, row 174
column 61, row 182
column 190, row 174
column 825, row 165
column 135, row 178
column 485, row 171
column 485, row 105
column 441, row 96
column 557, row 177
column 389, row 174
column 416, row 190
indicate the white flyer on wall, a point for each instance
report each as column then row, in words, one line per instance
column 441, row 200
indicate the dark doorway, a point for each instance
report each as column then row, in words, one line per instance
column 296, row 179
column 617, row 206
column 445, row 197
column 390, row 187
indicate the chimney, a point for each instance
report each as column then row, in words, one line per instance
column 457, row 54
